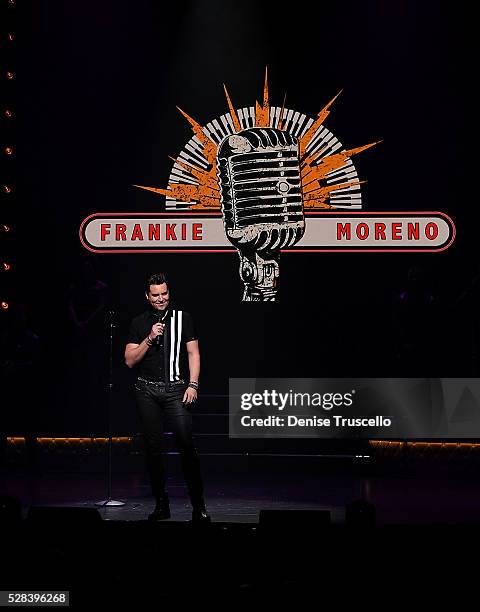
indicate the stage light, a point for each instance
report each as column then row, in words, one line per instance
column 6, row 189
column 4, row 305
column 397, row 446
column 11, row 37
column 83, row 441
column 6, row 266
column 8, row 113
column 10, row 75
column 8, row 150
column 6, row 228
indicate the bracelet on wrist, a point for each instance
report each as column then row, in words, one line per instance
column 193, row 384
column 149, row 341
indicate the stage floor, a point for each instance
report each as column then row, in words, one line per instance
column 237, row 496
column 428, row 524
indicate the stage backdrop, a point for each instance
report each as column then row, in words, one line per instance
column 99, row 95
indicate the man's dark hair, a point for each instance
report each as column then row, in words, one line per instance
column 155, row 279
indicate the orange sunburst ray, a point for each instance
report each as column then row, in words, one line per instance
column 280, row 121
column 209, row 147
column 194, row 192
column 309, row 158
column 233, row 113
column 316, row 204
column 322, row 115
column 183, row 192
column 317, row 198
column 207, row 203
column 332, row 162
column 187, row 193
column 208, row 179
column 262, row 113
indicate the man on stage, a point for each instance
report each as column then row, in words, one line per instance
column 163, row 346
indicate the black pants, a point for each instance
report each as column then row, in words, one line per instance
column 161, row 411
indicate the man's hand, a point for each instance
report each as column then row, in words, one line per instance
column 157, row 330
column 190, row 395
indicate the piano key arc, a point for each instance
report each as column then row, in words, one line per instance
column 293, row 122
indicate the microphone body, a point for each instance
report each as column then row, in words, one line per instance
column 160, row 319
column 262, row 204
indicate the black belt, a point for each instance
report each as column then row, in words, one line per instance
column 160, row 382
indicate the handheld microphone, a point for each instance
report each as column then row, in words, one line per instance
column 262, row 204
column 160, row 319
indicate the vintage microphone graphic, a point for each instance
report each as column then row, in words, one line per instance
column 259, row 177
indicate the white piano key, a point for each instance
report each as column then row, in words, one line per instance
column 346, row 197
column 187, row 158
column 306, row 127
column 353, row 191
column 241, row 118
column 318, row 139
column 328, row 149
column 246, row 118
column 201, row 161
column 179, row 171
column 295, row 117
column 199, row 150
column 196, row 144
column 212, row 133
column 301, row 124
column 184, row 180
column 231, row 127
column 333, row 177
column 207, row 133
column 227, row 124
column 274, row 116
column 289, row 119
column 219, row 129
column 251, row 114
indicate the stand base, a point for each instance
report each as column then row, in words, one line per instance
column 110, row 502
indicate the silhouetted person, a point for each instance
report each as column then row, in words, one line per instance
column 89, row 346
column 414, row 333
column 465, row 316
column 20, row 368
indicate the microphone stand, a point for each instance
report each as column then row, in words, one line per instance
column 109, row 501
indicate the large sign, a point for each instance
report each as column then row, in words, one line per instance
column 265, row 180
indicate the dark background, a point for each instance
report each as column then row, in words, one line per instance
column 95, row 95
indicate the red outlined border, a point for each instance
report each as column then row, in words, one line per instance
column 403, row 213
column 179, row 214
column 199, row 215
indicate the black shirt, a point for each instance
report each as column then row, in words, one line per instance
column 169, row 360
